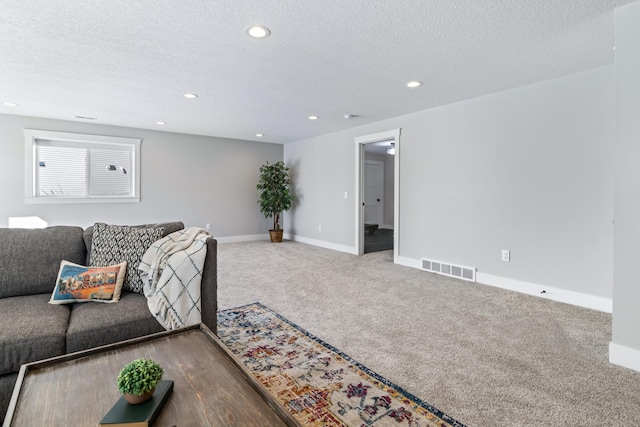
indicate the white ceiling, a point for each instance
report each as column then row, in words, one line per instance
column 128, row 62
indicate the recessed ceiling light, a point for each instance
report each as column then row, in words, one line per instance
column 313, row 117
column 190, row 95
column 161, row 123
column 259, row 135
column 258, row 32
column 413, row 84
column 10, row 104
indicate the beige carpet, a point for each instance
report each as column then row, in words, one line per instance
column 484, row 356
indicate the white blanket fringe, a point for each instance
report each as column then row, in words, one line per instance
column 171, row 270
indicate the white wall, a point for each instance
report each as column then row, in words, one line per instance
column 625, row 345
column 321, row 174
column 529, row 170
column 195, row 179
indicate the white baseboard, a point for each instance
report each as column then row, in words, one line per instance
column 624, row 356
column 246, row 238
column 556, row 294
column 409, row 262
column 287, row 236
column 322, row 244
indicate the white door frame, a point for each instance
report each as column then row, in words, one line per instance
column 393, row 134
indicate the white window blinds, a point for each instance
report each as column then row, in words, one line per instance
column 110, row 173
column 61, row 171
column 82, row 167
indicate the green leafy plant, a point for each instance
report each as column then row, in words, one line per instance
column 139, row 377
column 276, row 196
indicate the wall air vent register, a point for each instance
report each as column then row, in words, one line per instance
column 451, row 270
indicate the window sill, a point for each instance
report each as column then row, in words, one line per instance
column 78, row 200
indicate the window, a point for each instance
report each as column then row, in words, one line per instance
column 76, row 168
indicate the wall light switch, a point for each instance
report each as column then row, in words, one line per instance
column 346, row 195
column 506, row 255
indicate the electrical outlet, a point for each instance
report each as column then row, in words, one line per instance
column 320, row 228
column 506, row 255
column 208, row 227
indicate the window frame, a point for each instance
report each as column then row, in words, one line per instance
column 32, row 136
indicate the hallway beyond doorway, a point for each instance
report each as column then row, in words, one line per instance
column 380, row 240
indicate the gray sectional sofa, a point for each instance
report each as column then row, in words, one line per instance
column 32, row 329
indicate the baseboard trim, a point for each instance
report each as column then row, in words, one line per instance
column 624, row 356
column 322, row 244
column 245, row 238
column 409, row 262
column 556, row 294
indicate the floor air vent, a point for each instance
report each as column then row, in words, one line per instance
column 451, row 270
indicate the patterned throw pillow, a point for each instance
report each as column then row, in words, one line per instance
column 77, row 283
column 113, row 244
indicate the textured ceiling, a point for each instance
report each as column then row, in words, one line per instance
column 129, row 62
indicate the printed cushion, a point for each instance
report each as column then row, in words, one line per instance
column 77, row 283
column 113, row 244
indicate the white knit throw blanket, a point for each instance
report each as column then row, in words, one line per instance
column 171, row 270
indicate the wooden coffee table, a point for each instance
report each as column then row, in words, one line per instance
column 211, row 387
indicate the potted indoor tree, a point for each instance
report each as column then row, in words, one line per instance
column 275, row 196
column 138, row 380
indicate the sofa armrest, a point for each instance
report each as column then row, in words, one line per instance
column 209, row 287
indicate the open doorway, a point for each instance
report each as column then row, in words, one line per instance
column 377, row 198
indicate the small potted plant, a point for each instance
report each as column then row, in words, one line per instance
column 275, row 196
column 138, row 380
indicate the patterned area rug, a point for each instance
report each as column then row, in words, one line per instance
column 317, row 383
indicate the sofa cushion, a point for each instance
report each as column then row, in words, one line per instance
column 30, row 259
column 93, row 325
column 77, row 283
column 113, row 244
column 30, row 330
column 169, row 227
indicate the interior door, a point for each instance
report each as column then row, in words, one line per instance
column 373, row 192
